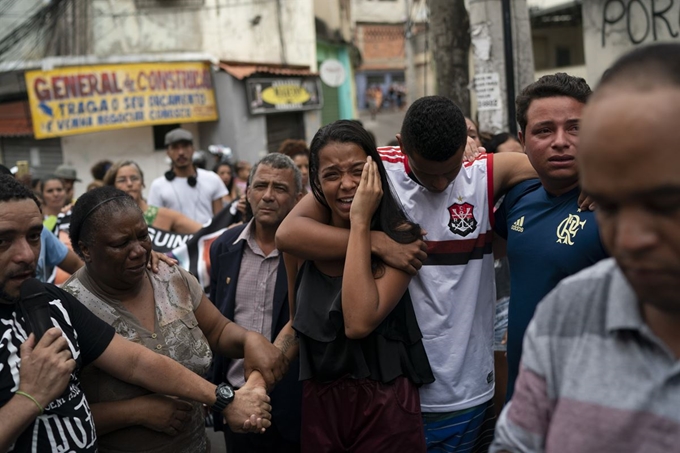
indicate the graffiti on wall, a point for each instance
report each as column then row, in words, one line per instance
column 641, row 20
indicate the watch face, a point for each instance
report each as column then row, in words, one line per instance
column 226, row 392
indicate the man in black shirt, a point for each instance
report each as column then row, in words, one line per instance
column 42, row 406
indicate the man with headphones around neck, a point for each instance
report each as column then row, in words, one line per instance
column 194, row 192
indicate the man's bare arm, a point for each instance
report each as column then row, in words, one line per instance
column 71, row 262
column 305, row 233
column 44, row 373
column 133, row 363
column 509, row 169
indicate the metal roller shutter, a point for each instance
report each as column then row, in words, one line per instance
column 43, row 160
column 282, row 126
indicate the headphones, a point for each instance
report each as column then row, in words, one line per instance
column 191, row 180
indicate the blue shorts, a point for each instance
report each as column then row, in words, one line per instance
column 466, row 431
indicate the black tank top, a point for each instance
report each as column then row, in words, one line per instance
column 393, row 349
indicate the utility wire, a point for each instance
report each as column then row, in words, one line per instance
column 46, row 20
column 164, row 10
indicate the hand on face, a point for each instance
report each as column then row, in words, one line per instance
column 368, row 194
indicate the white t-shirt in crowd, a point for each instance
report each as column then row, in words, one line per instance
column 194, row 202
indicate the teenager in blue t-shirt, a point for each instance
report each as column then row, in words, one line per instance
column 549, row 237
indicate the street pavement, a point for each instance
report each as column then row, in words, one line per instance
column 217, row 444
column 385, row 126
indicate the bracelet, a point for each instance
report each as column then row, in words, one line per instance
column 19, row 392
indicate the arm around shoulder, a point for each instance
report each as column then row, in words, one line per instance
column 509, row 169
column 305, row 232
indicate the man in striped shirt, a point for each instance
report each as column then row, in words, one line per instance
column 600, row 367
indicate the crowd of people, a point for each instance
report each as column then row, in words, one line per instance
column 364, row 298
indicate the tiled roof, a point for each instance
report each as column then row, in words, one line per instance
column 15, row 119
column 243, row 70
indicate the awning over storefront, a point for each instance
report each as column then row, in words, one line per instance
column 15, row 119
column 242, row 70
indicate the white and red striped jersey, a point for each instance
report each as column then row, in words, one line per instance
column 454, row 292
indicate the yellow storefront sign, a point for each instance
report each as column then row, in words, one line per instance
column 285, row 94
column 77, row 100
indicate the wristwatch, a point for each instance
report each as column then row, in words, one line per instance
column 224, row 394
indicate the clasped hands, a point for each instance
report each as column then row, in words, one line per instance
column 264, row 365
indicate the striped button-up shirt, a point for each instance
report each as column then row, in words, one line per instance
column 594, row 377
column 254, row 294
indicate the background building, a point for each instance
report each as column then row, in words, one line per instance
column 336, row 57
column 250, row 48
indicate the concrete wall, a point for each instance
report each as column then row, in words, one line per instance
column 379, row 11
column 576, row 71
column 611, row 28
column 337, row 15
column 229, row 30
column 488, row 57
column 244, row 133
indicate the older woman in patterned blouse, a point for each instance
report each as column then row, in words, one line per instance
column 166, row 312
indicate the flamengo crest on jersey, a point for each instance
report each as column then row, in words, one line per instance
column 463, row 220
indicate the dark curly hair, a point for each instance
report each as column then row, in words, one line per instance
column 13, row 190
column 92, row 212
column 434, row 128
column 389, row 217
column 548, row 86
column 497, row 140
column 99, row 169
column 292, row 148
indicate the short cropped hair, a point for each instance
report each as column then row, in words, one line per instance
column 646, row 67
column 434, row 128
column 92, row 211
column 279, row 162
column 548, row 86
column 13, row 190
